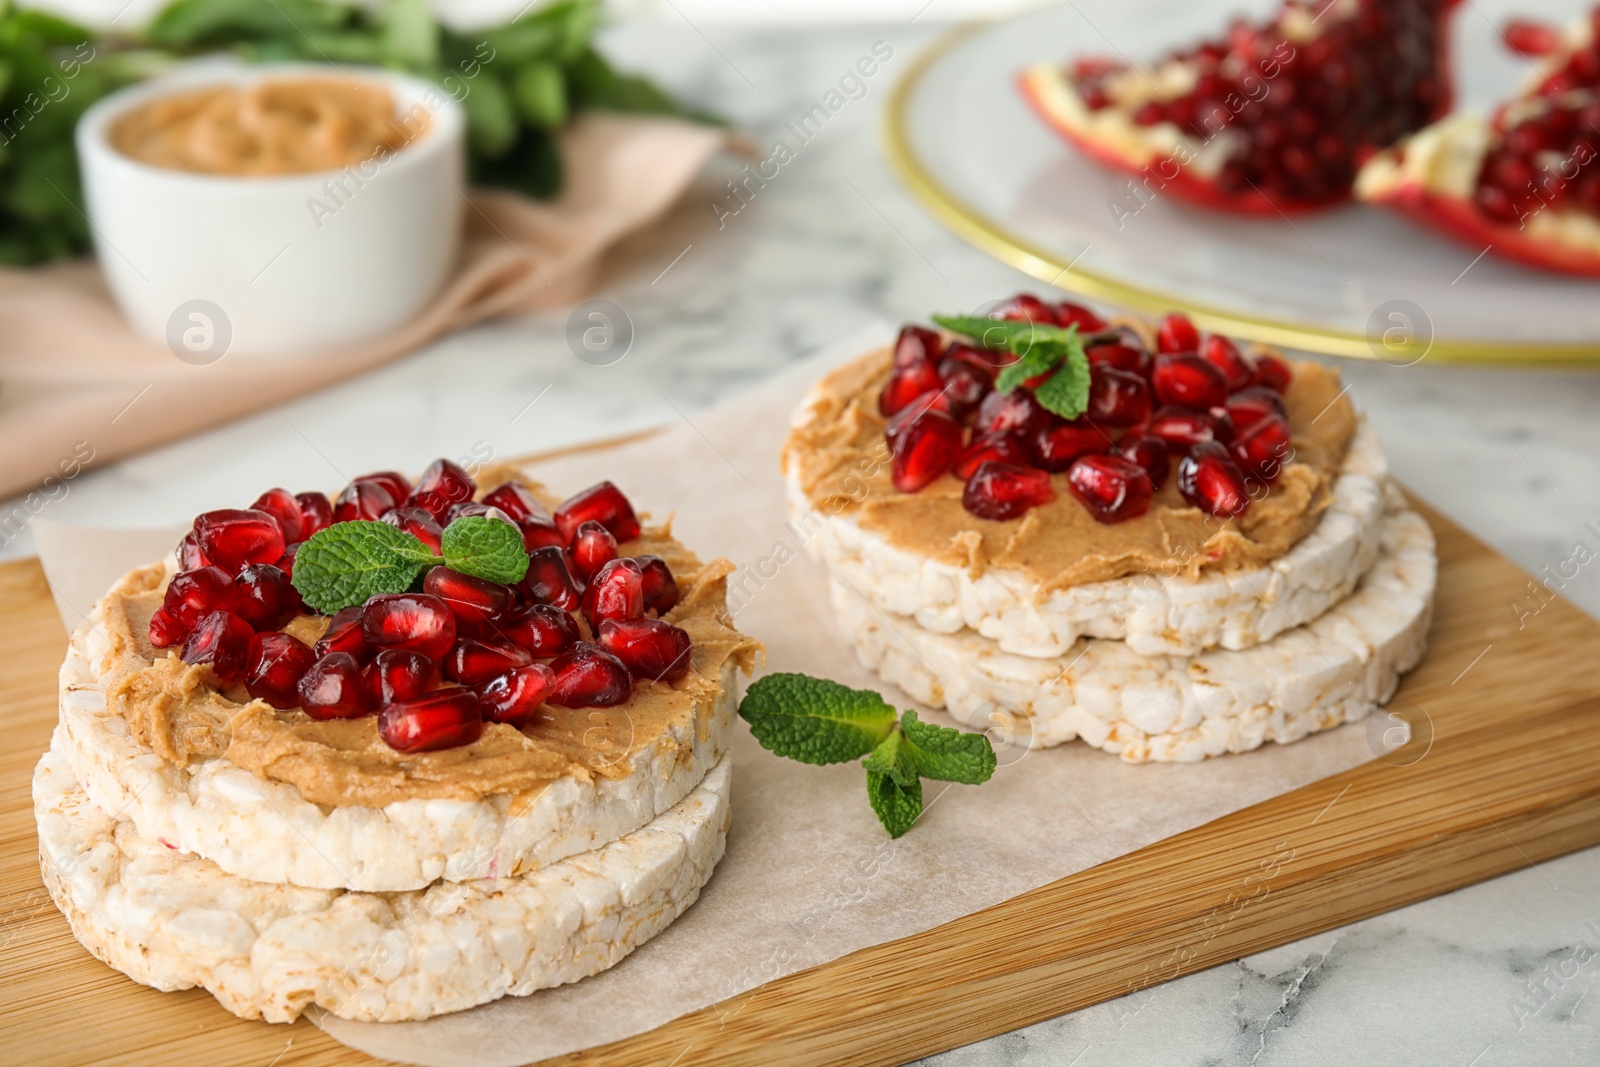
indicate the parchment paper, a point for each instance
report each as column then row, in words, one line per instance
column 809, row 874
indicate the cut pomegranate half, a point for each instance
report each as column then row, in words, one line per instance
column 1274, row 117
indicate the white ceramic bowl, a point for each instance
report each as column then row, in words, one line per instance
column 212, row 265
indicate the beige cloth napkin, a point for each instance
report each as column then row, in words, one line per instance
column 71, row 368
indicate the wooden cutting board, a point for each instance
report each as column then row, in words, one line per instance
column 1503, row 771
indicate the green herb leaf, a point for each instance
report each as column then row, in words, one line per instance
column 948, row 755
column 350, row 562
column 897, row 806
column 894, row 758
column 815, row 720
column 1006, row 335
column 1039, row 348
column 540, row 90
column 1041, row 359
column 1066, row 392
column 486, row 548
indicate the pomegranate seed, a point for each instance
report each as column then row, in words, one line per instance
column 592, row 548
column 935, row 402
column 985, row 361
column 333, row 688
column 1149, row 454
column 397, row 674
column 190, row 558
column 1002, row 491
column 362, row 500
column 1189, row 380
column 1224, row 355
column 1177, row 334
column 232, row 538
column 473, row 507
column 965, row 385
column 1182, row 428
column 472, row 662
column 905, row 384
column 1112, row 488
column 444, row 718
column 419, row 523
column 605, row 504
column 416, row 621
column 316, row 514
column 264, row 597
column 541, row 533
column 587, row 676
column 281, row 505
column 653, row 650
column 1117, row 397
column 517, row 501
column 344, row 635
column 660, row 587
column 549, row 582
column 1024, row 307
column 997, row 447
column 1013, row 412
column 192, row 594
column 220, row 639
column 1273, row 373
column 274, row 664
column 1069, row 314
column 924, row 451
column 473, row 601
column 1256, row 402
column 286, row 561
column 617, row 592
column 442, row 485
column 1213, row 482
column 917, row 345
column 1122, row 357
column 394, row 483
column 1531, row 39
column 166, row 631
column 1060, row 442
column 1264, row 448
column 514, row 697
column 543, row 629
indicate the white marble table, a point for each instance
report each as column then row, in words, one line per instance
column 1496, row 974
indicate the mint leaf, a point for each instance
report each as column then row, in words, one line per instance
column 894, row 758
column 1039, row 360
column 1066, row 392
column 948, row 755
column 897, row 806
column 815, row 720
column 349, row 562
column 486, row 548
column 1006, row 335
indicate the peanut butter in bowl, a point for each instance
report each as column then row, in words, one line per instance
column 271, row 128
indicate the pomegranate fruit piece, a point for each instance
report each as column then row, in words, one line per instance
column 419, row 523
column 1272, row 373
column 1069, row 314
column 1013, row 412
column 1238, row 371
column 587, row 676
column 514, row 697
column 192, row 594
column 1177, row 334
column 220, row 639
column 1183, row 428
column 286, row 561
column 936, row 402
column 917, row 345
column 592, row 548
column 1184, row 378
column 233, row 537
column 472, row 662
column 1117, row 397
column 541, row 533
column 965, row 385
column 1264, row 448
column 394, row 483
column 188, row 552
column 1113, row 489
column 1060, row 442
column 660, row 587
column 274, row 665
column 1001, row 491
column 420, row 622
column 473, row 601
column 1006, row 448
column 344, row 635
column 924, row 451
column 333, row 688
column 1149, row 454
column 397, row 674
column 617, row 592
column 1256, row 402
column 166, row 631
column 1121, row 356
column 1025, row 307
column 548, row 580
column 517, row 501
column 605, row 504
column 362, row 500
column 543, row 629
column 1532, row 39
column 281, row 505
column 263, row 596
column 1211, row 481
column 651, row 649
column 442, row 718
column 905, row 384
column 442, row 485
column 316, row 513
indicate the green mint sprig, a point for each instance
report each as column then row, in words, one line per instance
column 814, row 720
column 348, row 563
column 1040, row 348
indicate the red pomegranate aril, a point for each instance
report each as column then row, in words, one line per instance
column 617, row 592
column 1223, row 354
column 1025, row 307
column 1256, row 402
column 1060, row 442
column 605, row 504
column 1532, row 39
column 1273, row 373
column 548, row 580
column 1183, row 428
column 986, row 361
column 515, row 500
column 905, row 384
column 473, row 601
column 274, row 665
column 420, row 622
column 397, row 674
column 344, row 634
column 166, row 631
column 541, row 533
column 220, row 639
column 1113, row 489
column 1211, row 481
column 923, row 404
column 189, row 555
column 917, row 345
column 443, row 718
column 514, row 697
column 1177, row 334
column 653, row 650
column 281, row 505
column 233, row 537
column 1149, row 454
column 996, row 447
column 965, row 385
column 393, row 482
column 264, row 597
column 924, row 451
column 362, row 500
column 543, row 629
column 192, row 594
column 333, row 688
column 587, row 676
column 472, row 662
column 1264, row 448
column 1014, row 412
column 1069, row 314
column 1122, row 357
column 419, row 523
column 441, row 486
column 1117, row 397
column 592, row 548
column 1187, row 379
column 474, row 507
column 1002, row 491
column 660, row 587
column 316, row 513
column 286, row 561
